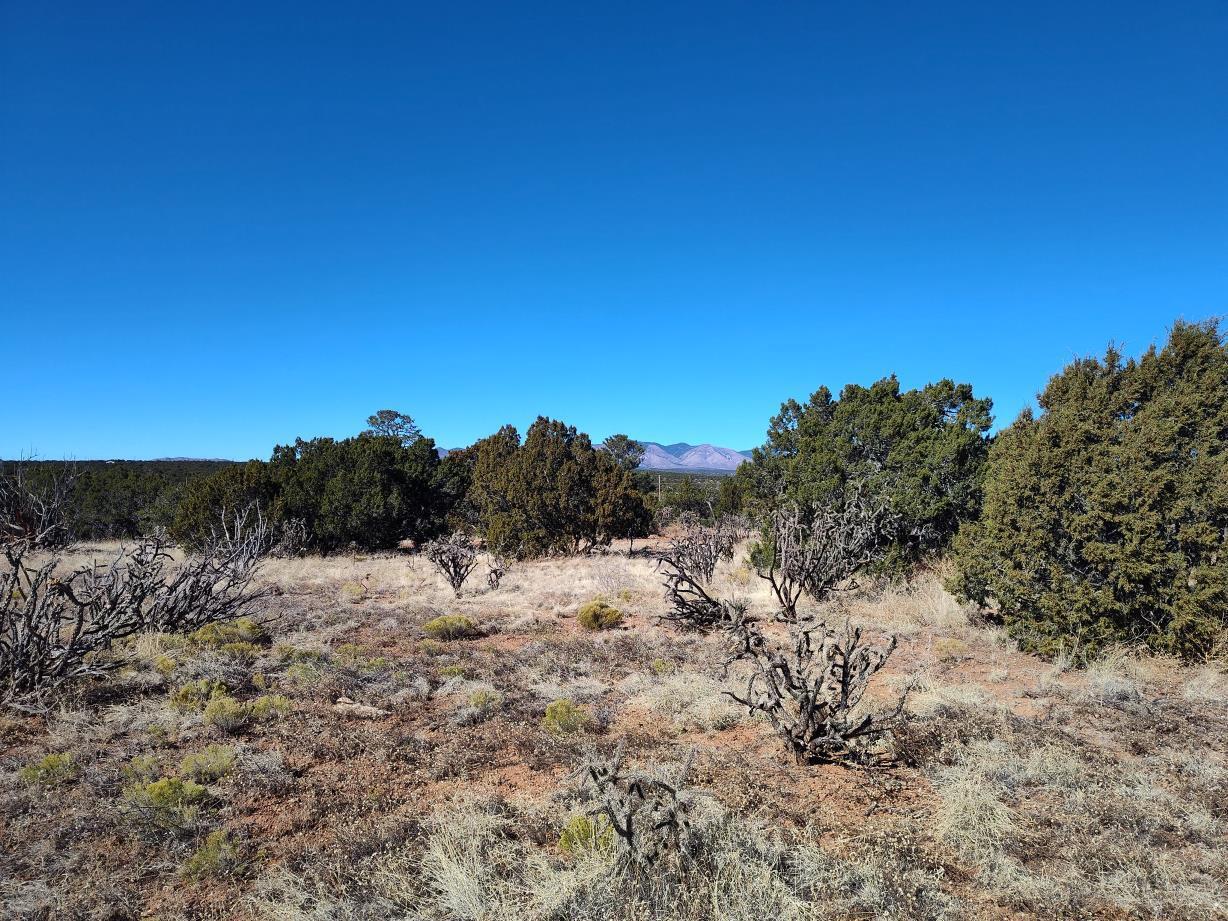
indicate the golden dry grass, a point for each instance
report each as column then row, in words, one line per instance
column 1037, row 790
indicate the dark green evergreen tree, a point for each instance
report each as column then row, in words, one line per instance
column 1106, row 516
column 922, row 451
column 626, row 452
column 555, row 493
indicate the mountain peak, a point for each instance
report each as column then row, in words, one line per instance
column 682, row 457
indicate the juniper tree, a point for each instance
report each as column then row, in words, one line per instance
column 553, row 493
column 1106, row 516
column 920, row 451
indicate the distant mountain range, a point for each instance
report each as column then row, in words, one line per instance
column 682, row 457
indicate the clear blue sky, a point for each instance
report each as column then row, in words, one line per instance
column 223, row 225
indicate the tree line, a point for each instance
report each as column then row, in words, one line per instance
column 550, row 492
column 1101, row 519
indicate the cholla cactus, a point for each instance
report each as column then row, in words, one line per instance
column 688, row 566
column 813, row 551
column 36, row 511
column 496, row 569
column 810, row 693
column 650, row 817
column 51, row 629
column 455, row 557
column 701, row 547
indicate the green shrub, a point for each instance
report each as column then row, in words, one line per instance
column 432, row 648
column 169, row 803
column 50, row 770
column 241, row 651
column 231, row 716
column 217, row 856
column 195, row 694
column 599, row 615
column 450, row 627
column 226, row 713
column 453, row 671
column 485, row 701
column 208, row 765
column 305, row 667
column 304, row 672
column 555, row 493
column 583, row 833
column 142, row 769
column 565, row 717
column 370, row 491
column 217, row 636
column 206, row 499
column 1104, row 516
column 269, row 707
column 289, row 653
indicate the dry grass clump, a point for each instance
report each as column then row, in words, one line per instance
column 689, row 700
column 1047, row 831
column 353, row 592
column 476, row 862
column 1109, row 678
column 918, row 606
column 1207, row 684
column 950, row 649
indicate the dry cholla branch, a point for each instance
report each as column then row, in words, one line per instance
column 36, row 514
column 814, row 552
column 54, row 630
column 650, row 816
column 455, row 557
column 496, row 569
column 688, row 565
column 292, row 538
column 691, row 606
column 700, row 548
column 810, row 693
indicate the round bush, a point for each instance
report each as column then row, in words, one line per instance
column 450, row 627
column 564, row 717
column 599, row 615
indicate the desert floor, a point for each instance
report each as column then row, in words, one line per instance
column 1030, row 790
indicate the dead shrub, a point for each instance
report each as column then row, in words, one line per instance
column 455, row 558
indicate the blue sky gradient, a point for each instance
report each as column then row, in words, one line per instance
column 225, row 225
